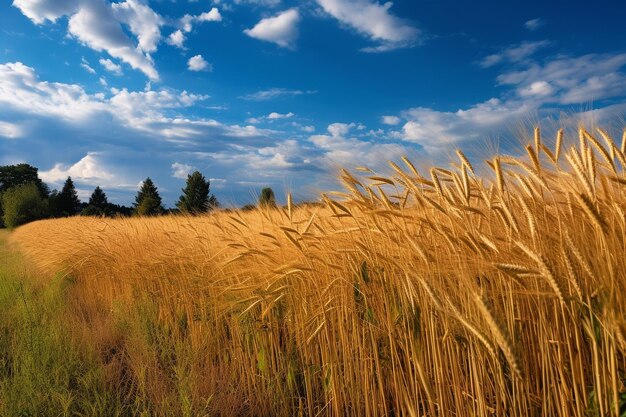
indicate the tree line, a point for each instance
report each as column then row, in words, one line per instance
column 24, row 197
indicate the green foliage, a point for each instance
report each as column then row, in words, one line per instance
column 98, row 204
column 15, row 175
column 148, row 201
column 23, row 204
column 42, row 371
column 196, row 197
column 267, row 198
column 66, row 203
column 98, row 198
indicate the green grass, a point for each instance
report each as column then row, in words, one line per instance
column 43, row 372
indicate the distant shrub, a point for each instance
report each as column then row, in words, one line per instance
column 23, row 204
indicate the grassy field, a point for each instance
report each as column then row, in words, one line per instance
column 439, row 292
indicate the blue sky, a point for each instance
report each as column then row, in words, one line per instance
column 280, row 93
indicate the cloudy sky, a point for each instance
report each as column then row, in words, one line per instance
column 280, row 93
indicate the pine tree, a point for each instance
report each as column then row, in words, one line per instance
column 98, row 204
column 67, row 202
column 98, row 198
column 196, row 197
column 267, row 198
column 148, row 200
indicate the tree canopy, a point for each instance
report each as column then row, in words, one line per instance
column 148, row 201
column 12, row 176
column 23, row 204
column 21, row 174
column 196, row 197
column 98, row 204
column 66, row 202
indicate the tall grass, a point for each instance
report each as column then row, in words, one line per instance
column 442, row 292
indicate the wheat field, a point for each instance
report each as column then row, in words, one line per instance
column 460, row 291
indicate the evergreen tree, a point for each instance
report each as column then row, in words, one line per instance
column 148, row 200
column 196, row 197
column 98, row 204
column 98, row 198
column 267, row 198
column 67, row 202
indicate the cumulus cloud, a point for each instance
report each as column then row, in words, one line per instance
column 281, row 29
column 100, row 25
column 374, row 21
column 111, row 66
column 198, row 63
column 144, row 22
column 273, row 93
column 88, row 170
column 391, row 120
column 176, row 39
column 41, row 10
column 339, row 149
column 514, row 53
column 180, row 170
column 274, row 115
column 436, row 130
column 187, row 21
column 535, row 88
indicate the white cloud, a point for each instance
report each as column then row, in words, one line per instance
column 181, row 171
column 274, row 115
column 570, row 80
column 265, row 3
column 281, row 29
column 515, row 53
column 98, row 25
column 198, row 63
column 340, row 150
column 111, row 66
column 10, row 130
column 340, row 129
column 187, row 21
column 373, row 20
column 436, row 130
column 391, row 120
column 41, row 10
column 95, row 26
column 103, row 82
column 274, row 93
column 123, row 126
column 537, row 89
column 86, row 66
column 176, row 39
column 87, row 170
column 534, row 24
column 211, row 16
column 144, row 22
